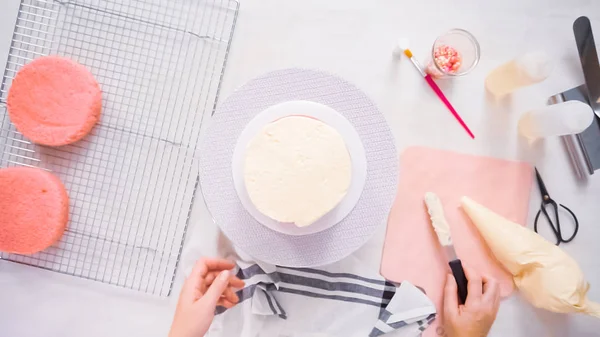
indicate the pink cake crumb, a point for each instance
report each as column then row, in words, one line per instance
column 447, row 61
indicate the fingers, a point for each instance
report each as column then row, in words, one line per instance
column 450, row 296
column 484, row 292
column 202, row 276
column 491, row 292
column 217, row 288
column 230, row 295
column 474, row 287
column 200, row 269
column 218, row 264
column 226, row 304
column 193, row 287
column 205, row 265
column 234, row 281
column 210, row 278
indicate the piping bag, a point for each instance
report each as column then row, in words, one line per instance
column 544, row 274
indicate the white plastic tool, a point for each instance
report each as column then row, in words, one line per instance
column 566, row 118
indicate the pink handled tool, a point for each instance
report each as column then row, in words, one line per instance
column 403, row 47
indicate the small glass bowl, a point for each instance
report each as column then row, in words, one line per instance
column 458, row 40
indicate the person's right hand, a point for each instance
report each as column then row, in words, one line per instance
column 476, row 316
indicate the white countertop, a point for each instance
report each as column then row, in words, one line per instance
column 354, row 39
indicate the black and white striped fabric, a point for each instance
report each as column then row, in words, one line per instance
column 368, row 306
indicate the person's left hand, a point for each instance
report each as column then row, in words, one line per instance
column 210, row 284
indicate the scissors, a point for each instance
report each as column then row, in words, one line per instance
column 547, row 201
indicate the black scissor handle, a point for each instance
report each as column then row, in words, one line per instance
column 555, row 229
column 576, row 225
column 535, row 224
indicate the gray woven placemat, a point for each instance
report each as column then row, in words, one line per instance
column 221, row 198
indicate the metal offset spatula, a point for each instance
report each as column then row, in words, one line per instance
column 440, row 225
column 584, row 148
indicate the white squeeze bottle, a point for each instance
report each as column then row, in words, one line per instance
column 525, row 70
column 561, row 119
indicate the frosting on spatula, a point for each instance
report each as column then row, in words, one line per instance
column 438, row 220
column 546, row 276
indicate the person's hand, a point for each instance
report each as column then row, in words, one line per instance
column 210, row 284
column 476, row 316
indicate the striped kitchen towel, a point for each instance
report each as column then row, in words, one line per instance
column 279, row 301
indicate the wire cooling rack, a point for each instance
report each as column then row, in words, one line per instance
column 132, row 180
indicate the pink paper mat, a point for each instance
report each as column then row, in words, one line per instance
column 412, row 251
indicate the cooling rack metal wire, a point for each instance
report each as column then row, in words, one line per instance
column 132, row 180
